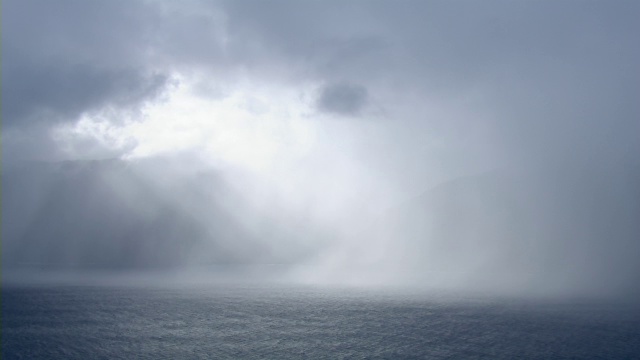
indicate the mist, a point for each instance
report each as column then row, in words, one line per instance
column 414, row 145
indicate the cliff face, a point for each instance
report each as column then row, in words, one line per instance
column 570, row 227
column 116, row 215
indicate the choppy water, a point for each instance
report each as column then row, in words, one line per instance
column 281, row 323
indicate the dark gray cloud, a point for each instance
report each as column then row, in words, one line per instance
column 61, row 94
column 342, row 99
column 63, row 59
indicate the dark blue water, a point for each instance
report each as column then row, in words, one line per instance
column 283, row 323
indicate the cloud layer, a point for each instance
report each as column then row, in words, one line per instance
column 342, row 110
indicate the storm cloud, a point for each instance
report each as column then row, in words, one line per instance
column 342, row 99
column 433, row 121
column 63, row 59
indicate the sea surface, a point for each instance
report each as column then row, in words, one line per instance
column 261, row 322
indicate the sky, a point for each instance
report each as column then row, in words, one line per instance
column 345, row 111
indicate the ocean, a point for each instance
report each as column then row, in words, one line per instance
column 280, row 322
